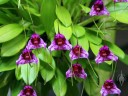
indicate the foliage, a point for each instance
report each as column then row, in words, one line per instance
column 19, row 19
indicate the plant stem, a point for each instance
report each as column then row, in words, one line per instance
column 87, row 21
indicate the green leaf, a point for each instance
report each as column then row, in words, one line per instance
column 29, row 72
column 8, row 64
column 18, row 73
column 32, row 10
column 95, row 48
column 59, row 85
column 121, row 16
column 47, row 65
column 5, row 77
column 119, row 12
column 115, row 49
column 9, row 32
column 16, row 88
column 3, row 1
column 5, row 91
column 85, row 8
column 78, row 30
column 125, row 59
column 92, row 37
column 84, row 45
column 47, row 72
column 4, row 19
column 90, row 85
column 46, row 57
column 63, row 15
column 66, row 31
column 48, row 14
column 13, row 46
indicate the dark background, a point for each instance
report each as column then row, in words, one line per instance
column 122, row 42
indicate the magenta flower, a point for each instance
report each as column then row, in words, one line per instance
column 76, row 71
column 105, row 55
column 27, row 57
column 120, row 0
column 35, row 42
column 78, row 52
column 27, row 91
column 60, row 43
column 98, row 9
column 109, row 87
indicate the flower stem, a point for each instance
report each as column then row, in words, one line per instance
column 92, row 68
column 87, row 21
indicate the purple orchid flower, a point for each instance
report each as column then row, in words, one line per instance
column 109, row 87
column 98, row 9
column 27, row 57
column 35, row 42
column 27, row 91
column 105, row 55
column 60, row 43
column 78, row 52
column 76, row 71
column 120, row 0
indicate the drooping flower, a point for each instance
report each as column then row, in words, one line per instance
column 60, row 43
column 27, row 57
column 78, row 52
column 120, row 0
column 27, row 91
column 98, row 9
column 76, row 71
column 105, row 55
column 109, row 87
column 35, row 42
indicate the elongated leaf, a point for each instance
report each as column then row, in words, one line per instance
column 32, row 11
column 4, row 19
column 125, row 60
column 13, row 46
column 78, row 31
column 18, row 73
column 119, row 12
column 85, row 8
column 48, row 13
column 63, row 15
column 29, row 73
column 8, row 64
column 121, row 16
column 9, row 32
column 5, row 78
column 59, row 85
column 47, row 72
column 46, row 57
column 91, row 87
column 16, row 88
column 92, row 37
column 3, row 1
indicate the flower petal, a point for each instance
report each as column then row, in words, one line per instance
column 69, row 73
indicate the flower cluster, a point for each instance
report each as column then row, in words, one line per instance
column 27, row 56
column 99, row 9
column 76, row 52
